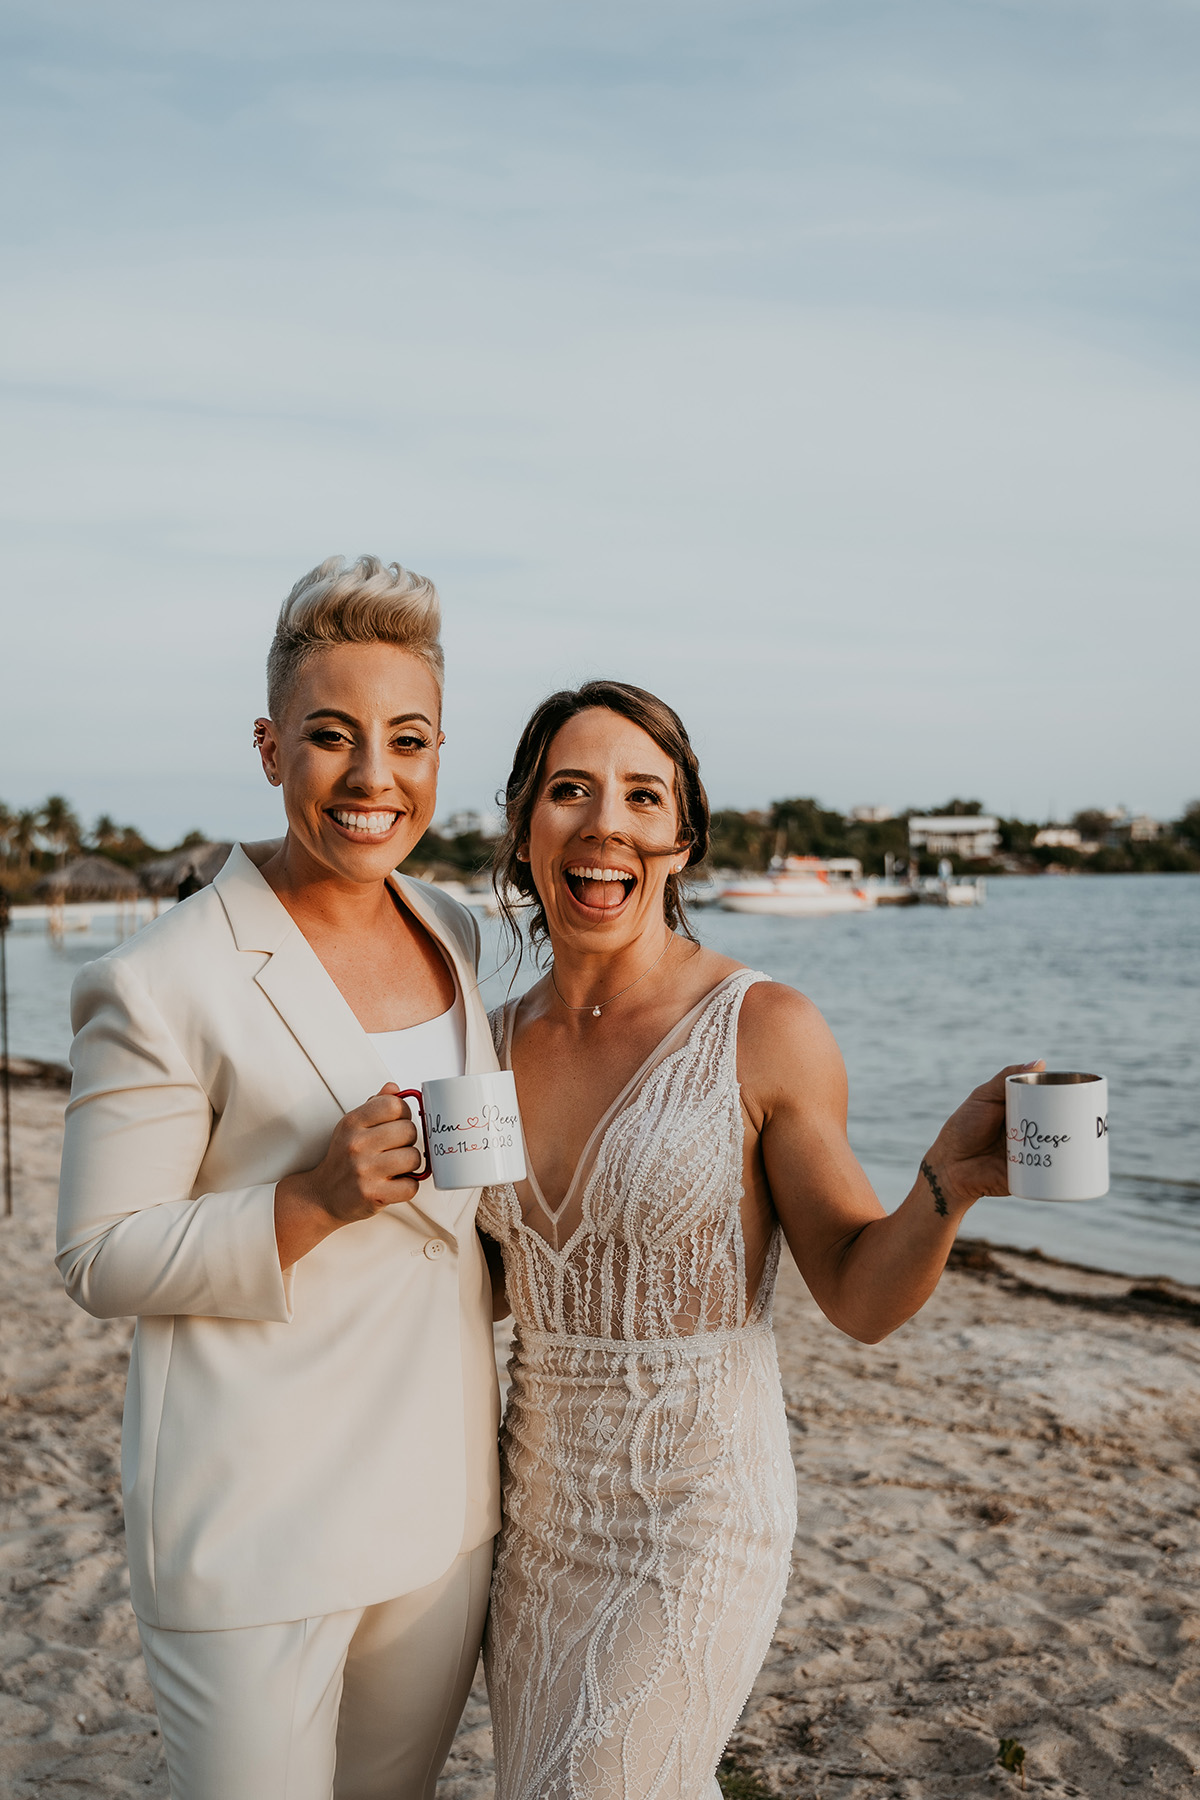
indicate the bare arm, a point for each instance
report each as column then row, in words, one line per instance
column 868, row 1270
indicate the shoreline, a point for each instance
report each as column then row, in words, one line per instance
column 1102, row 1290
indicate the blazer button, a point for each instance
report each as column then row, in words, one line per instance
column 435, row 1247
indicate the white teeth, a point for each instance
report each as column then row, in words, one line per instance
column 600, row 874
column 378, row 824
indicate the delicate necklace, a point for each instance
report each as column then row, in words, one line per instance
column 595, row 1010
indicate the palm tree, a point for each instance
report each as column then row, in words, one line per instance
column 105, row 831
column 23, row 834
column 59, row 824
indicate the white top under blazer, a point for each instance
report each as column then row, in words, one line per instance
column 295, row 1443
column 427, row 1052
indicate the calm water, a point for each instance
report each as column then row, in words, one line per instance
column 1099, row 973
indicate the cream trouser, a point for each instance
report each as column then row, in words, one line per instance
column 358, row 1705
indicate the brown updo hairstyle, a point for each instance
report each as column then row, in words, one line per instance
column 659, row 722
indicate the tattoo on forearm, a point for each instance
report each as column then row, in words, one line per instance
column 939, row 1199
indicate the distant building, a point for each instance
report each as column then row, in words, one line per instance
column 871, row 815
column 1058, row 837
column 972, row 836
column 487, row 824
column 1143, row 829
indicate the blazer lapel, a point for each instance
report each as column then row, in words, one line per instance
column 294, row 980
column 311, row 1005
column 481, row 1056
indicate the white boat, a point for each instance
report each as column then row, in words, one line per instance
column 799, row 887
column 889, row 891
column 952, row 890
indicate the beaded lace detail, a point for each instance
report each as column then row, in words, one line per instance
column 649, row 1496
column 647, row 1241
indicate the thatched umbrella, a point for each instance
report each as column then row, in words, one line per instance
column 164, row 875
column 91, row 878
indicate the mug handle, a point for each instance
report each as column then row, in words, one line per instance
column 415, row 1094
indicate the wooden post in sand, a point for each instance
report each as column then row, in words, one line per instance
column 6, row 1077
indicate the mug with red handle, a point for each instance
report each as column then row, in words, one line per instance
column 471, row 1129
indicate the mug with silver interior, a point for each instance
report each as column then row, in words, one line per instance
column 1056, row 1127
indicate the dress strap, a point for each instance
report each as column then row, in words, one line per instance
column 497, row 1019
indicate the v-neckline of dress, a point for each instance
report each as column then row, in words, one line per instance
column 607, row 1118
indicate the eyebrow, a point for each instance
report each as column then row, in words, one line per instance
column 332, row 712
column 586, row 775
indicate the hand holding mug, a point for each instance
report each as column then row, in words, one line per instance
column 969, row 1157
column 372, row 1162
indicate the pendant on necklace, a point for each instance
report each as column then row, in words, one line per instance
column 595, row 1012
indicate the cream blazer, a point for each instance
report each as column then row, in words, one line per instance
column 300, row 1443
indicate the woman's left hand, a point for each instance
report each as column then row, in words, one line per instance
column 969, row 1157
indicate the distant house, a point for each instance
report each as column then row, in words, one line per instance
column 973, row 836
column 1058, row 837
column 1143, row 829
column 487, row 824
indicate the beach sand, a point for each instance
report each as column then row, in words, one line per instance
column 999, row 1538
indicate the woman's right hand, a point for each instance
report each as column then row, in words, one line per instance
column 370, row 1163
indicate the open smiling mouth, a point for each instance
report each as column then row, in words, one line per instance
column 599, row 889
column 362, row 825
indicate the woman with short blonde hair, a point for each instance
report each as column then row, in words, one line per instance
column 366, row 602
column 309, row 1448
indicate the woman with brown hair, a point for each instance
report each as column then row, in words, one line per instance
column 683, row 1114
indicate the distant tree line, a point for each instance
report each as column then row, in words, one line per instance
column 803, row 827
column 748, row 840
column 35, row 841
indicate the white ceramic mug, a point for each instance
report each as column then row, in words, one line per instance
column 1057, row 1132
column 471, row 1126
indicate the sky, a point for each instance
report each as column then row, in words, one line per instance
column 831, row 367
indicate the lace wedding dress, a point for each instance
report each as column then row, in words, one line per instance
column 649, row 1496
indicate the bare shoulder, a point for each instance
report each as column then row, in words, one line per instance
column 783, row 1037
column 707, row 969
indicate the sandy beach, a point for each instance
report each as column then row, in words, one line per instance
column 999, row 1539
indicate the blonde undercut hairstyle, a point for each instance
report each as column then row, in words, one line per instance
column 364, row 602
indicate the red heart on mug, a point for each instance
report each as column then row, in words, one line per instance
column 472, row 1121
